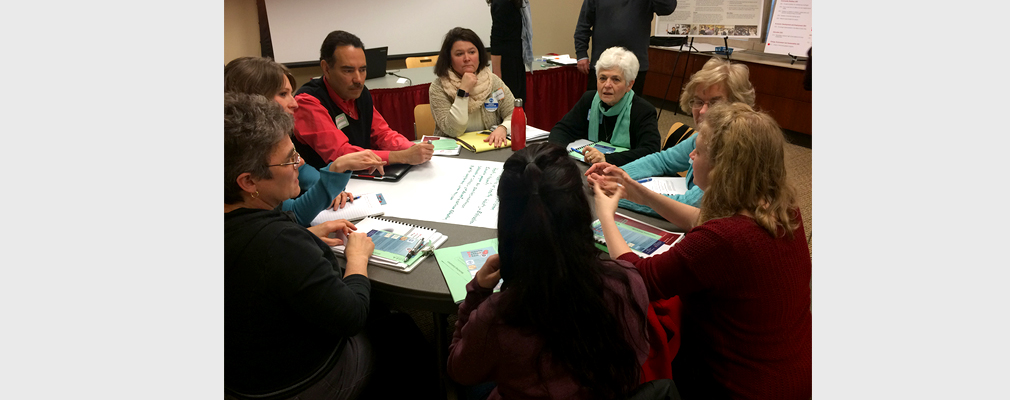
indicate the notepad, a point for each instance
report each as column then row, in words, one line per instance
column 394, row 241
column 667, row 185
column 474, row 141
column 580, row 145
column 643, row 239
column 459, row 265
column 443, row 146
column 368, row 205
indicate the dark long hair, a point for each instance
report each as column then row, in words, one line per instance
column 554, row 276
column 444, row 63
column 517, row 3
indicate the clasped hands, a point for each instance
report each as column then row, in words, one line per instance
column 610, row 184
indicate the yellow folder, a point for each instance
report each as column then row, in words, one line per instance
column 474, row 141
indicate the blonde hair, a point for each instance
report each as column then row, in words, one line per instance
column 735, row 78
column 746, row 149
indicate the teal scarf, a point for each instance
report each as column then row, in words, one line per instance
column 621, row 136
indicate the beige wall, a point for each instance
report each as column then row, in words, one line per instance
column 553, row 30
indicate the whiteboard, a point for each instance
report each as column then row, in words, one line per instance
column 407, row 27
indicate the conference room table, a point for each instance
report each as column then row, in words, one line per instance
column 425, row 288
column 551, row 91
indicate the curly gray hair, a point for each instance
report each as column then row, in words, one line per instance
column 253, row 126
column 618, row 57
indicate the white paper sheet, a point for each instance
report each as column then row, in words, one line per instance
column 451, row 190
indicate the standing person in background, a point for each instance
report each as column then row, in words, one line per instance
column 511, row 43
column 625, row 23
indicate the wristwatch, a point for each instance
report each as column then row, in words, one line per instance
column 461, row 93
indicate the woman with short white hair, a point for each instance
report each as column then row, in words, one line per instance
column 612, row 113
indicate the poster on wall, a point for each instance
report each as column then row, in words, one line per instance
column 790, row 30
column 739, row 19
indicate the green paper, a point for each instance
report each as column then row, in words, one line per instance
column 454, row 270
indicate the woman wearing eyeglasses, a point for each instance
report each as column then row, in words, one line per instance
column 294, row 316
column 320, row 188
column 718, row 81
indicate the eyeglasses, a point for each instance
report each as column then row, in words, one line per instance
column 697, row 104
column 297, row 160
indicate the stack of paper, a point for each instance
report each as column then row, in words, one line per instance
column 366, row 205
column 644, row 239
column 534, row 134
column 667, row 185
column 563, row 59
column 398, row 246
column 443, row 146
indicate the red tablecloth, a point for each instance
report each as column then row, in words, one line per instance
column 550, row 94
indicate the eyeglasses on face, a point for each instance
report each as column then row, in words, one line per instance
column 294, row 160
column 697, row 103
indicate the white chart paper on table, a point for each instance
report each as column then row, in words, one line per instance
column 451, row 190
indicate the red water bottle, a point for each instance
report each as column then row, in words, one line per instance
column 518, row 126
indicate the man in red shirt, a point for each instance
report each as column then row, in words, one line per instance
column 335, row 115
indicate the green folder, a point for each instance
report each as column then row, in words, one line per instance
column 453, row 261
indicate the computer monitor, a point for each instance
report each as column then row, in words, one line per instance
column 376, row 60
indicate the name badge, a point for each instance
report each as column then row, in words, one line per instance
column 498, row 95
column 491, row 105
column 341, row 121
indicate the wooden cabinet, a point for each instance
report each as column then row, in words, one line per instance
column 779, row 89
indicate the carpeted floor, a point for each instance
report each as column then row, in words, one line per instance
column 798, row 155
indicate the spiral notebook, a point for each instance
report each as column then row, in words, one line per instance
column 644, row 239
column 398, row 246
column 575, row 148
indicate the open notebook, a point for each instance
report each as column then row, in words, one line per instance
column 644, row 239
column 398, row 246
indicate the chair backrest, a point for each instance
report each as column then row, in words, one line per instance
column 424, row 121
column 414, row 62
column 678, row 132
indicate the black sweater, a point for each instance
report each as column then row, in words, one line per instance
column 644, row 135
column 287, row 306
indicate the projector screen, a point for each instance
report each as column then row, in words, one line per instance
column 408, row 27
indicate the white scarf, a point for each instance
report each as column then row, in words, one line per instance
column 481, row 91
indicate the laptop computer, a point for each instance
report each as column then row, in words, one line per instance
column 393, row 173
column 376, row 61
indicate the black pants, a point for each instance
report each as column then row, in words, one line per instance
column 513, row 73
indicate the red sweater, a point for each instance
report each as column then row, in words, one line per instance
column 746, row 310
